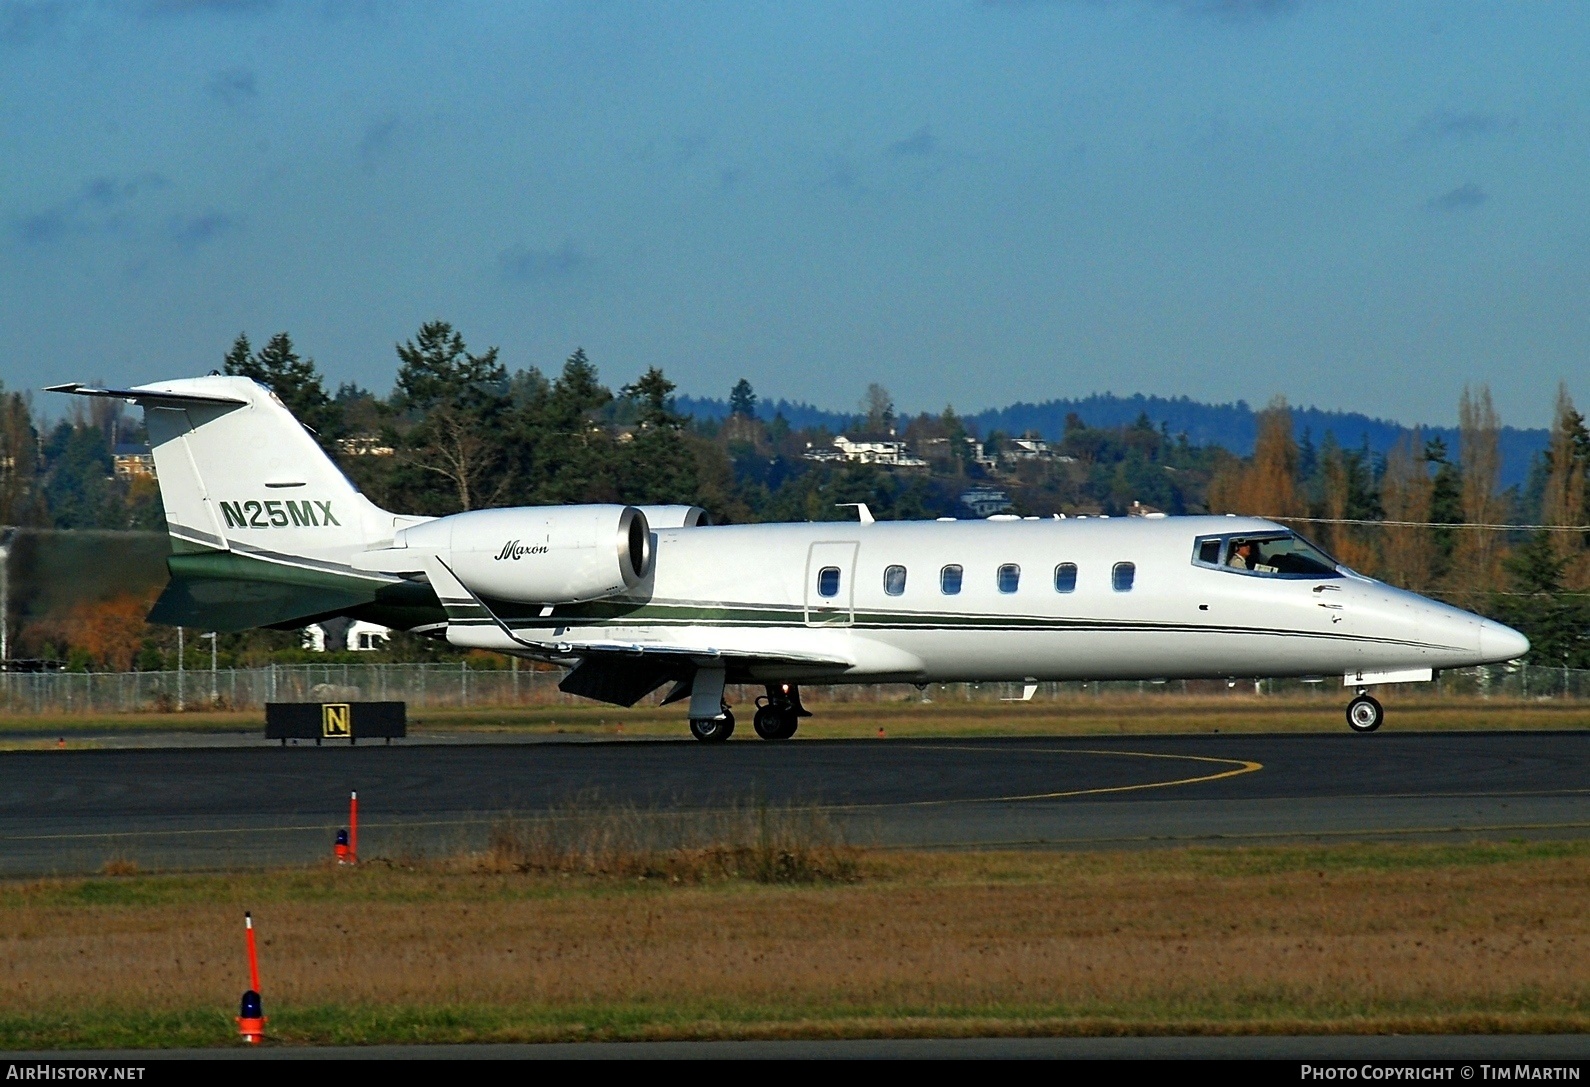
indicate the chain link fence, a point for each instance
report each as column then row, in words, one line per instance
column 457, row 686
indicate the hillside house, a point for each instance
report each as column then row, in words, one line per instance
column 888, row 451
column 986, row 501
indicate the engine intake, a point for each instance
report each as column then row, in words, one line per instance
column 541, row 554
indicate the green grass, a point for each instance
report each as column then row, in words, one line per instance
column 947, row 717
column 356, row 1025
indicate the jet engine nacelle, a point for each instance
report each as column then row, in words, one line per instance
column 539, row 554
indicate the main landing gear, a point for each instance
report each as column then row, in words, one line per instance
column 713, row 730
column 778, row 714
column 1364, row 713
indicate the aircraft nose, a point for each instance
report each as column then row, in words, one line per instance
column 1501, row 643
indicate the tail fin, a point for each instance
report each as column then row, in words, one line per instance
column 263, row 524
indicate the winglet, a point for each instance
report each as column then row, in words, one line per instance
column 862, row 511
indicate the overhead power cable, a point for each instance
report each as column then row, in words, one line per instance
column 1426, row 524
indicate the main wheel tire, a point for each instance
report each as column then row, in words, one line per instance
column 769, row 723
column 1364, row 714
column 710, row 731
column 789, row 725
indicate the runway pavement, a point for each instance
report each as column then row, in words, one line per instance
column 71, row 811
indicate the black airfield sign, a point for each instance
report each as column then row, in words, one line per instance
column 351, row 721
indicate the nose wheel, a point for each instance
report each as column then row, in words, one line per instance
column 1365, row 714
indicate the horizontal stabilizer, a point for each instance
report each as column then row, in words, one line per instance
column 225, row 591
column 145, row 396
column 226, row 605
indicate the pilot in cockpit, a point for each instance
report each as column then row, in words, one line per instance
column 1241, row 555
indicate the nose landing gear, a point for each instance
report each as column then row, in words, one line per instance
column 1364, row 713
column 778, row 713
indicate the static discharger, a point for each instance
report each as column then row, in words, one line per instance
column 347, row 844
column 251, row 1015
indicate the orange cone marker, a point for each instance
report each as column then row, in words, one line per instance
column 251, row 1015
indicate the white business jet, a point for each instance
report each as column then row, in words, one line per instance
column 267, row 532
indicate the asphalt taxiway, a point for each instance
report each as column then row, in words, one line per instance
column 71, row 811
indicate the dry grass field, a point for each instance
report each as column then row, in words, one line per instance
column 1082, row 715
column 1072, row 715
column 513, row 946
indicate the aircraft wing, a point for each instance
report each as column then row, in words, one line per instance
column 613, row 671
column 622, row 673
column 695, row 654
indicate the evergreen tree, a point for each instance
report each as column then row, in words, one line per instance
column 562, row 453
column 437, row 368
column 742, row 399
column 659, row 465
column 1556, row 623
column 1446, row 504
column 295, row 381
column 240, row 358
column 576, row 392
column 79, row 480
column 456, row 405
column 653, row 394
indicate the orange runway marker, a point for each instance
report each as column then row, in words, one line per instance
column 251, row 1014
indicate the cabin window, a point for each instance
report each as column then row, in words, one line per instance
column 894, row 580
column 950, row 580
column 1122, row 576
column 1009, row 577
column 1065, row 577
column 828, row 581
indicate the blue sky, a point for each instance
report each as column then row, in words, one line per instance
column 1359, row 206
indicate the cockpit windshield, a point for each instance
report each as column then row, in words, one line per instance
column 1273, row 554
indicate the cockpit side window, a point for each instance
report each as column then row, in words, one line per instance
column 1269, row 554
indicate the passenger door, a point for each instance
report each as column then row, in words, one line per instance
column 831, row 584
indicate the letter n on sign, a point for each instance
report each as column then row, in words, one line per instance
column 336, row 721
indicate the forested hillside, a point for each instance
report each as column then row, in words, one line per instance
column 1233, row 427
